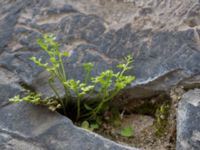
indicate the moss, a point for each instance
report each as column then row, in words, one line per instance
column 161, row 121
column 159, row 108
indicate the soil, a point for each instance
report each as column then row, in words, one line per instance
column 145, row 135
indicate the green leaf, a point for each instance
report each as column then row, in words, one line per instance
column 87, row 107
column 65, row 54
column 53, row 60
column 121, row 66
column 85, row 125
column 33, row 58
column 43, row 45
column 31, row 98
column 94, row 126
column 86, row 88
column 15, row 99
column 127, row 132
column 88, row 66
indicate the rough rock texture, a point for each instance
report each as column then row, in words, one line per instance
column 40, row 129
column 163, row 36
column 188, row 127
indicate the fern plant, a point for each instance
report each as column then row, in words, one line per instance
column 36, row 99
column 54, row 66
column 106, row 80
column 110, row 83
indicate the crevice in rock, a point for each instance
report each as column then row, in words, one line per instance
column 155, row 136
column 27, row 87
column 150, row 106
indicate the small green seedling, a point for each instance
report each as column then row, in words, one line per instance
column 127, row 132
column 35, row 99
column 86, row 125
column 30, row 98
column 110, row 84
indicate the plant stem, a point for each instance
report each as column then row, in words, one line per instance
column 60, row 100
column 78, row 109
column 62, row 68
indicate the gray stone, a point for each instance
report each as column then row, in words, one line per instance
column 7, row 91
column 188, row 118
column 162, row 58
column 24, row 126
column 163, row 36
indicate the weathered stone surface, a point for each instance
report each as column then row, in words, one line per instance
column 23, row 126
column 163, row 57
column 163, row 36
column 188, row 127
column 165, row 52
column 8, row 91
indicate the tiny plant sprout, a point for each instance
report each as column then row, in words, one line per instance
column 127, row 131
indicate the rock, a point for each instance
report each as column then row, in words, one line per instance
column 191, row 83
column 188, row 118
column 24, row 126
column 163, row 36
column 163, row 57
column 165, row 52
column 7, row 91
column 8, row 86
